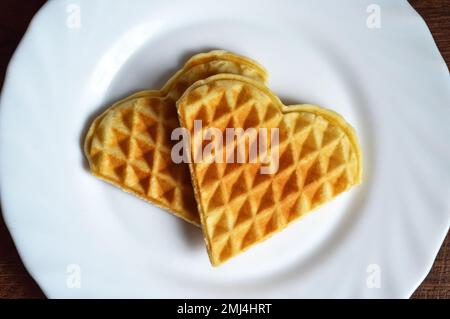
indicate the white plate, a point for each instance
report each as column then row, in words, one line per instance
column 378, row 240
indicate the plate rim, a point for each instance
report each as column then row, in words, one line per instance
column 14, row 234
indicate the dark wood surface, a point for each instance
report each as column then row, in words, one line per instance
column 15, row 282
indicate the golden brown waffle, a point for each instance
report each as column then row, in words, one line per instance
column 319, row 158
column 129, row 145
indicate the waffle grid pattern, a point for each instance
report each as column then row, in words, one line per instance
column 129, row 145
column 241, row 206
column 132, row 148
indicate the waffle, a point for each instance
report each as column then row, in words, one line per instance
column 319, row 158
column 129, row 145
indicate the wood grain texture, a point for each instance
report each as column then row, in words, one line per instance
column 436, row 14
column 15, row 15
column 15, row 282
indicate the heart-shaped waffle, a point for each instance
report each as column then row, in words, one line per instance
column 129, row 145
column 318, row 158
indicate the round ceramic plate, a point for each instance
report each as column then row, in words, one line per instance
column 377, row 65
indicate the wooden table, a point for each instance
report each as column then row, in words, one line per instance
column 15, row 15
